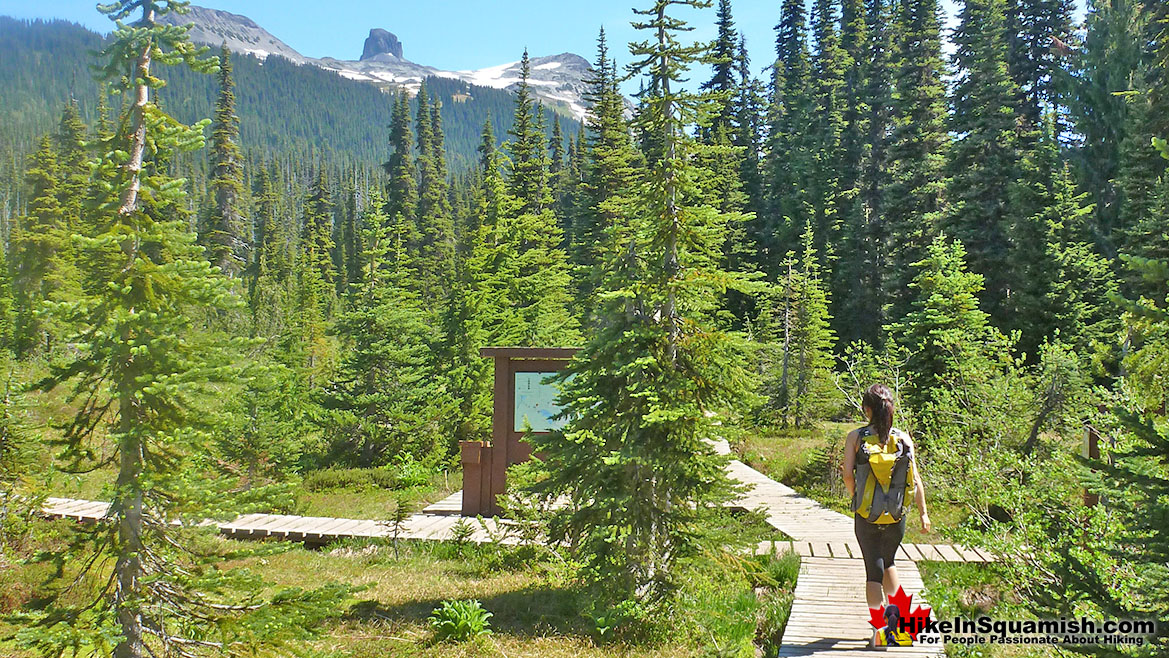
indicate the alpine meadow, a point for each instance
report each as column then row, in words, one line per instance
column 649, row 353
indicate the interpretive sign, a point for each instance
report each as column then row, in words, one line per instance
column 526, row 388
column 535, row 402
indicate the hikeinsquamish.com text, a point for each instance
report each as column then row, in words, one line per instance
column 1082, row 631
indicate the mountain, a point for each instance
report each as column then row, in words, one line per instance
column 557, row 80
column 286, row 109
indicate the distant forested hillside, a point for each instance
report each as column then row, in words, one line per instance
column 284, row 108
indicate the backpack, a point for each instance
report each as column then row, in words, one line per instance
column 882, row 477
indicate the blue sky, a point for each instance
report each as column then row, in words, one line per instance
column 448, row 34
column 452, row 34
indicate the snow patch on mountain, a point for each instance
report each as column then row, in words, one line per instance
column 556, row 80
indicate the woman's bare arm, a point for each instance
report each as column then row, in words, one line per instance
column 849, row 463
column 919, row 491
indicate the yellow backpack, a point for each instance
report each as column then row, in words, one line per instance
column 884, row 476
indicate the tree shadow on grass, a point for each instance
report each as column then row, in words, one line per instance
column 528, row 612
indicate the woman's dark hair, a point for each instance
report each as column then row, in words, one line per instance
column 879, row 399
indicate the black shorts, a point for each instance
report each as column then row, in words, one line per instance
column 879, row 543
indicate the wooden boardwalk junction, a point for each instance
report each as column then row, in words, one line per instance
column 829, row 614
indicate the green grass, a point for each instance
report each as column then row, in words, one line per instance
column 725, row 602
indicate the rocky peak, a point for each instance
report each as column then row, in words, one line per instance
column 381, row 42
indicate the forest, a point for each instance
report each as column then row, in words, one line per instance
column 198, row 325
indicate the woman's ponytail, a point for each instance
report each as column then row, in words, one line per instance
column 879, row 399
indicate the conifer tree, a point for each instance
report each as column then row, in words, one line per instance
column 402, row 194
column 983, row 160
column 73, row 162
column 749, row 109
column 826, row 128
column 386, row 399
column 226, row 239
column 799, row 381
column 529, row 257
column 945, row 328
column 789, row 152
column 436, row 230
column 911, row 200
column 140, row 373
column 635, row 462
column 1033, row 28
column 42, row 263
column 861, row 150
column 1108, row 64
column 1062, row 284
column 608, row 177
column 723, row 82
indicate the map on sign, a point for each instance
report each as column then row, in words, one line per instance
column 535, row 402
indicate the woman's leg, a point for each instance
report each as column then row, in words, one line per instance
column 891, row 542
column 868, row 536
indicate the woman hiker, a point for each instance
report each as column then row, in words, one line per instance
column 879, row 466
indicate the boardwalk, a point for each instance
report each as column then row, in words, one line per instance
column 829, row 615
column 312, row 530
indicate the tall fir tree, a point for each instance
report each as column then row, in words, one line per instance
column 227, row 238
column 436, row 231
column 1062, row 283
column 635, row 463
column 1033, row 30
column 387, row 398
column 141, row 370
column 798, row 372
column 789, row 152
column 983, row 159
column 609, row 173
column 912, row 198
column 42, row 265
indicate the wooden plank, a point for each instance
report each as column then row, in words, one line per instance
column 949, row 553
column 913, row 551
column 984, row 553
column 967, row 554
column 820, row 549
column 929, row 552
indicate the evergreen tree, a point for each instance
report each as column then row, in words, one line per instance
column 42, row 264
column 402, row 194
column 528, row 180
column 609, row 172
column 799, row 383
column 436, row 243
column 723, row 80
column 789, row 152
column 227, row 233
column 827, row 196
column 982, row 161
column 1062, row 283
column 386, row 399
column 911, row 199
column 635, row 462
column 1105, row 67
column 945, row 329
column 1033, row 27
column 73, row 162
column 142, row 369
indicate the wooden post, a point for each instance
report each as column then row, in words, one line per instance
column 1091, row 451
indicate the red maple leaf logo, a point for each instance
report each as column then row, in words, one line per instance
column 912, row 621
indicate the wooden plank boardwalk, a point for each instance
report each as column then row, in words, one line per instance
column 313, row 530
column 829, row 613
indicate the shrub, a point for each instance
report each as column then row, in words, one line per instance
column 460, row 621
